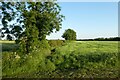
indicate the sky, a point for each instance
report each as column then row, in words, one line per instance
column 89, row 19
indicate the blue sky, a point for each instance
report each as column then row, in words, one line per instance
column 89, row 19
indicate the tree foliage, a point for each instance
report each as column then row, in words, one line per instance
column 69, row 34
column 34, row 20
column 101, row 39
column 9, row 18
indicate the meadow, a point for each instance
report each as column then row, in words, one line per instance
column 80, row 59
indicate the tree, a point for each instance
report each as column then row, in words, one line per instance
column 35, row 20
column 69, row 34
column 9, row 37
column 10, row 13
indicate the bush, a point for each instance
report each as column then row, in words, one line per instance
column 55, row 43
column 80, row 61
column 26, row 65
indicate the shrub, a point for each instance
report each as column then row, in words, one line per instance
column 55, row 43
column 27, row 64
column 80, row 61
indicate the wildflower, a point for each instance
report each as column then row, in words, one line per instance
column 17, row 56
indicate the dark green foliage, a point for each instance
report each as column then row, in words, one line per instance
column 69, row 34
column 101, row 39
column 39, row 23
column 73, row 61
column 2, row 35
column 45, row 16
column 108, row 39
column 9, row 37
column 39, row 19
column 58, row 66
column 26, row 66
column 9, row 47
column 37, row 46
column 10, row 13
column 35, row 20
column 86, row 65
column 55, row 43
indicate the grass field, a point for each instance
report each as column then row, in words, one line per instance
column 84, row 47
column 6, row 41
column 85, row 59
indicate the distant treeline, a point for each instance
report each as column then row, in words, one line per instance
column 101, row 39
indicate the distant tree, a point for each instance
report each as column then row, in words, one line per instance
column 69, row 34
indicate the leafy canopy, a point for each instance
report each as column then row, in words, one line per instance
column 45, row 16
column 33, row 21
column 69, row 34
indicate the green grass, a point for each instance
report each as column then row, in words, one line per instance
column 9, row 46
column 87, row 59
column 6, row 41
column 84, row 47
column 83, row 59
